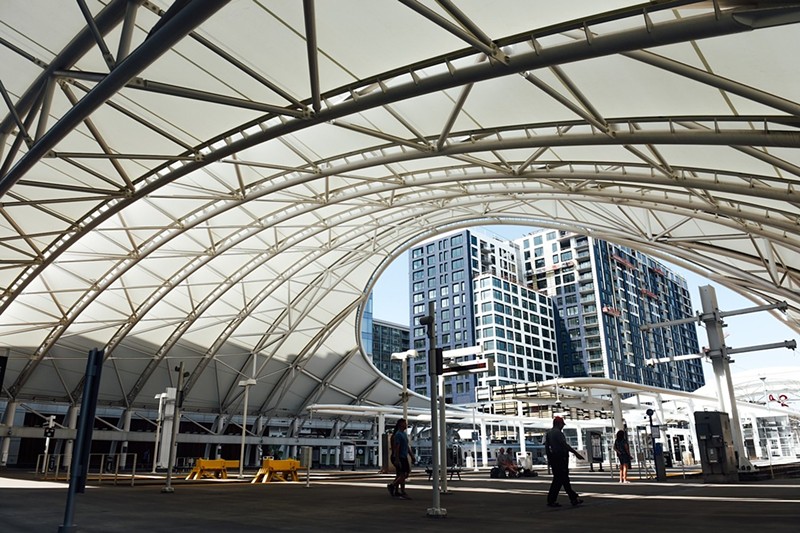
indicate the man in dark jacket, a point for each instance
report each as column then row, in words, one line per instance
column 558, row 449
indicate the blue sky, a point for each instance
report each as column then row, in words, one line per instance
column 390, row 302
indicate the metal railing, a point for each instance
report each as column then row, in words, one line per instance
column 102, row 467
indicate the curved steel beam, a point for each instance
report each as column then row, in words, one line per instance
column 157, row 44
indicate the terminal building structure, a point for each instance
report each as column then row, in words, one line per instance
column 200, row 210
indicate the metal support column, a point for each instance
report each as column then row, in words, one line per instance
column 435, row 511
column 720, row 362
column 176, row 422
column 11, row 411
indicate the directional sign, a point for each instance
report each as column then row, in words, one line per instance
column 469, row 367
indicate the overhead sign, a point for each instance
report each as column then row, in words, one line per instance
column 469, row 367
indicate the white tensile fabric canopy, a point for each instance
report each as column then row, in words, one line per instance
column 212, row 182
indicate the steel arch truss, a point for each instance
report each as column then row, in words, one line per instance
column 171, row 192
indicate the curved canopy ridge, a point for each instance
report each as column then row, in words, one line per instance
column 206, row 181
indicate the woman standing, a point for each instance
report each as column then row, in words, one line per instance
column 623, row 456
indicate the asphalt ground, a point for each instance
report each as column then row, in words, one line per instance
column 359, row 501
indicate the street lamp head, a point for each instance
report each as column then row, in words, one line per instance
column 403, row 355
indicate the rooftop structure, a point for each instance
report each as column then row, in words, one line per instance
column 173, row 192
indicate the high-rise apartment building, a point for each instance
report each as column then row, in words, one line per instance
column 381, row 339
column 474, row 283
column 388, row 338
column 603, row 293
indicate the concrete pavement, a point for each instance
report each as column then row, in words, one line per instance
column 358, row 501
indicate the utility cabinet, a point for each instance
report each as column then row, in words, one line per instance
column 717, row 454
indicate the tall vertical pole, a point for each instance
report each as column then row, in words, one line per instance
column 474, row 441
column 158, row 429
column 521, row 414
column 176, row 422
column 442, row 437
column 435, row 510
column 244, row 430
column 720, row 362
column 484, row 438
column 404, row 366
column 80, row 461
column 246, row 384
column 766, row 431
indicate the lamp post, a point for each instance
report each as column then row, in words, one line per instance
column 766, row 433
column 160, row 397
column 403, row 357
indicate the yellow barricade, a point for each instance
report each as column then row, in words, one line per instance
column 212, row 468
column 277, row 470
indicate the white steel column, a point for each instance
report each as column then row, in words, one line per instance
column 126, row 427
column 442, row 438
column 381, row 432
column 484, row 448
column 693, row 430
column 720, row 362
column 11, row 411
column 72, row 423
column 616, row 406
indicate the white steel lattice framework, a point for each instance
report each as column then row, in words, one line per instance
column 204, row 181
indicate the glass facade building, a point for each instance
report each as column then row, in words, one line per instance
column 473, row 281
column 604, row 292
column 388, row 338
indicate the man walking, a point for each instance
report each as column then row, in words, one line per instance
column 558, row 450
column 401, row 455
